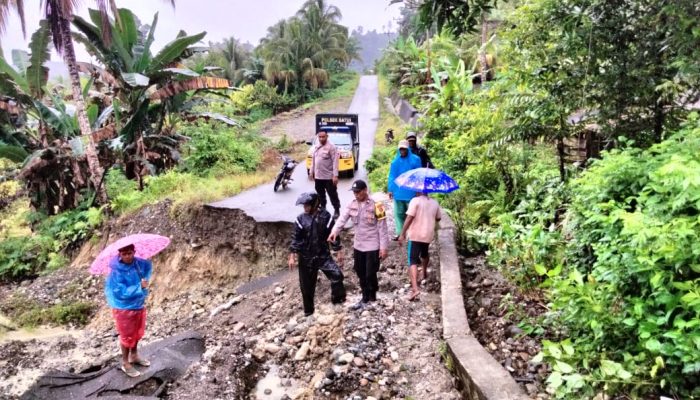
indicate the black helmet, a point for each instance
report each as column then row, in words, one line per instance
column 308, row 198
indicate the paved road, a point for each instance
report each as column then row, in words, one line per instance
column 265, row 205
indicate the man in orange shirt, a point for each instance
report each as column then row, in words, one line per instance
column 423, row 212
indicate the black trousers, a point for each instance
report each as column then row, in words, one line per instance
column 326, row 185
column 308, row 273
column 366, row 266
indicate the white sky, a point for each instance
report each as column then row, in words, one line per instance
column 245, row 19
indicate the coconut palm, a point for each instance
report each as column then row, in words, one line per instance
column 299, row 51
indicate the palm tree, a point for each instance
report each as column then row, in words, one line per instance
column 236, row 57
column 300, row 50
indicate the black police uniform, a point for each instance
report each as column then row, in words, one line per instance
column 309, row 241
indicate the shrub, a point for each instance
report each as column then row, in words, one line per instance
column 218, row 149
column 27, row 256
column 630, row 296
column 378, row 167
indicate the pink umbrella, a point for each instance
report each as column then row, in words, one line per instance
column 146, row 245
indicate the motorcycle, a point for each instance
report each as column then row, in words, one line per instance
column 389, row 136
column 284, row 177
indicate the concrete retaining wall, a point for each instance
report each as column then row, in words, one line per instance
column 482, row 377
column 404, row 110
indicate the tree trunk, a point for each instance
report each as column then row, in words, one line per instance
column 562, row 158
column 482, row 50
column 96, row 170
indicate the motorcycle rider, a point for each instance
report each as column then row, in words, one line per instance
column 389, row 136
column 311, row 251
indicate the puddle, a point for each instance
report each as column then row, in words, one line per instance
column 273, row 387
column 39, row 333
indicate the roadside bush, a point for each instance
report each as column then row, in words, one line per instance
column 28, row 312
column 27, row 256
column 378, row 167
column 219, row 150
column 630, row 296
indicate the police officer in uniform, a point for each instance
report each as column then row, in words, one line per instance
column 371, row 239
column 310, row 249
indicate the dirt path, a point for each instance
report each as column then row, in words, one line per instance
column 391, row 350
column 298, row 124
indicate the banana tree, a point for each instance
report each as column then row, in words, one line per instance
column 147, row 87
column 39, row 129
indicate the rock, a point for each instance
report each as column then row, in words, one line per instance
column 394, row 356
column 531, row 388
column 325, row 319
column 371, row 398
column 238, row 327
column 485, row 302
column 346, row 358
column 259, row 355
column 272, row 348
column 513, row 331
column 268, row 391
column 279, row 290
column 358, row 362
column 364, row 382
column 487, row 282
column 493, row 347
column 330, row 373
column 302, row 352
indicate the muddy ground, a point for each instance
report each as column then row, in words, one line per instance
column 504, row 319
column 262, row 343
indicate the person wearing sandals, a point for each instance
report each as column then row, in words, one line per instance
column 421, row 217
column 126, row 289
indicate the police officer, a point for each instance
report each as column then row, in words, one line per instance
column 371, row 239
column 311, row 251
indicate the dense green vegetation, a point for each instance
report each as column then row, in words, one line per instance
column 609, row 238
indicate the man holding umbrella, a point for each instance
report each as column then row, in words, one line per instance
column 126, row 288
column 422, row 215
column 423, row 212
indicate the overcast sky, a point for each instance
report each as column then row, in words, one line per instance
column 245, row 19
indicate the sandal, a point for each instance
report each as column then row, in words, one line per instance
column 131, row 372
column 413, row 296
column 142, row 362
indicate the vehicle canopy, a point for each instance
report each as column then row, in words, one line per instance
column 340, row 123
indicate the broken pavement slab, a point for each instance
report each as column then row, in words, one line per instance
column 169, row 358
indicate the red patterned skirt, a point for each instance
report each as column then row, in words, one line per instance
column 131, row 325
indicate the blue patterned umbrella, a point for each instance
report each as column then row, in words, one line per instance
column 426, row 180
